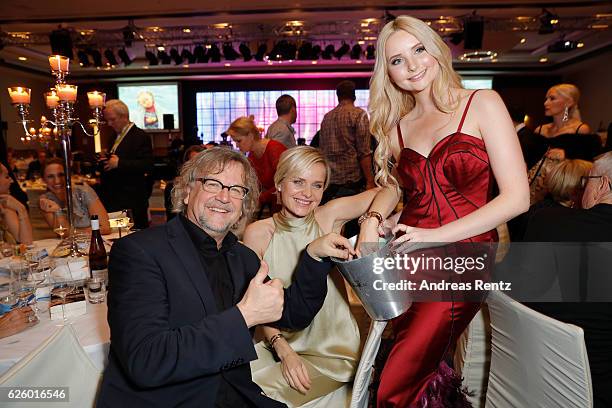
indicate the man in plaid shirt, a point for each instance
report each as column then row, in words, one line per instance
column 345, row 142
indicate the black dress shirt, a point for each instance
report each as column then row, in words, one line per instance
column 214, row 265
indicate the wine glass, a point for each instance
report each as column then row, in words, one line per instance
column 60, row 223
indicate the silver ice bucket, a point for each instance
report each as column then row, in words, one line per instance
column 379, row 304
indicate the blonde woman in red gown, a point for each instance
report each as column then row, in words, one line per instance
column 450, row 145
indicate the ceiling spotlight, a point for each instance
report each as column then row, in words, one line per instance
column 229, row 52
column 245, row 51
column 163, row 57
column 152, row 58
column 96, row 56
column 548, row 21
column 564, row 46
column 125, row 58
column 356, row 52
column 261, row 52
column 478, row 56
column 370, row 52
column 176, row 57
column 187, row 55
column 328, row 52
column 200, row 54
column 83, row 59
column 110, row 57
column 214, row 53
column 344, row 48
column 305, row 51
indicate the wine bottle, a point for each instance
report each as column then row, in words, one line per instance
column 98, row 262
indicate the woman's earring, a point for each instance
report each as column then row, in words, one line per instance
column 565, row 114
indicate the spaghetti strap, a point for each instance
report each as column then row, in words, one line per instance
column 465, row 111
column 399, row 136
column 538, row 130
column 579, row 126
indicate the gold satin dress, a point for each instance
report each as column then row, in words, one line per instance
column 329, row 346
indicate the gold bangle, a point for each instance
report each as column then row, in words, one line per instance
column 274, row 338
column 371, row 214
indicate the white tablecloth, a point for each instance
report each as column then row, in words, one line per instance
column 91, row 328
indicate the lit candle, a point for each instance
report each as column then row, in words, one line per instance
column 19, row 94
column 67, row 92
column 51, row 99
column 96, row 99
column 59, row 63
column 97, row 141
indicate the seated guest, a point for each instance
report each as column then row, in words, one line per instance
column 35, row 166
column 593, row 223
column 186, row 295
column 85, row 201
column 312, row 363
column 16, row 321
column 190, row 153
column 263, row 155
column 564, row 186
column 14, row 220
column 533, row 146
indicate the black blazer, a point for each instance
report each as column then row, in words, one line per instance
column 127, row 183
column 169, row 343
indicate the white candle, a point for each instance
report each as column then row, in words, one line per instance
column 67, row 92
column 96, row 99
column 19, row 94
column 97, row 141
column 59, row 63
column 51, row 99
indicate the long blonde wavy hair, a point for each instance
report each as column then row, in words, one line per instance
column 388, row 103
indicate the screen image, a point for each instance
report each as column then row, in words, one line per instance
column 216, row 110
column 148, row 103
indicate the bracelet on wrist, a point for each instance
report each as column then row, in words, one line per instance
column 274, row 339
column 371, row 214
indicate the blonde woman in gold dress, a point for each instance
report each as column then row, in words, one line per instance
column 320, row 360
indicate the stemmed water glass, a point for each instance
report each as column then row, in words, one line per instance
column 60, row 223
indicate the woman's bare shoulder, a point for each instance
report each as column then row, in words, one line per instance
column 258, row 234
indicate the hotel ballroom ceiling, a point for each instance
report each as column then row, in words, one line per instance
column 516, row 34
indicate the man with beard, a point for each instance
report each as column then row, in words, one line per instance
column 186, row 296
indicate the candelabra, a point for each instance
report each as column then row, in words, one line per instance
column 60, row 100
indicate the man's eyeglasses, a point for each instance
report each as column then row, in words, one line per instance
column 215, row 186
column 585, row 179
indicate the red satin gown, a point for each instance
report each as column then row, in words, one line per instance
column 454, row 180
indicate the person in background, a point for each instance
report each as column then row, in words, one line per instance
column 14, row 220
column 189, row 154
column 263, row 155
column 125, row 180
column 566, row 137
column 312, row 362
column 590, row 224
column 16, row 320
column 36, row 165
column 564, row 188
column 533, row 146
column 451, row 145
column 281, row 130
column 85, row 201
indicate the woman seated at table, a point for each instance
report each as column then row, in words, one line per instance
column 14, row 220
column 323, row 357
column 85, row 201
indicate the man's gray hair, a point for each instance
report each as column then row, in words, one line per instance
column 602, row 166
column 210, row 162
column 119, row 107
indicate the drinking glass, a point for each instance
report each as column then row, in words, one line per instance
column 128, row 221
column 60, row 223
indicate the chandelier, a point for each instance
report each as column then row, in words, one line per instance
column 60, row 100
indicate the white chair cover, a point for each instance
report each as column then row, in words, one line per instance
column 363, row 377
column 473, row 356
column 536, row 361
column 59, row 362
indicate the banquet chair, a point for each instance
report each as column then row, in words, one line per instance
column 536, row 361
column 59, row 362
column 472, row 358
